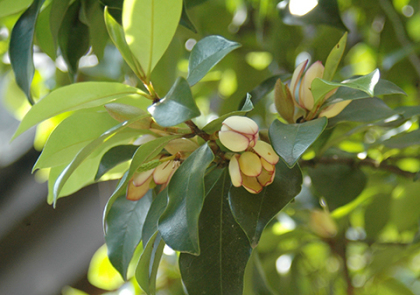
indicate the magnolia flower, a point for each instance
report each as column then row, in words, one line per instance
column 254, row 169
column 238, row 133
column 142, row 181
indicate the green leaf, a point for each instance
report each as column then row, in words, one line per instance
column 113, row 157
column 74, row 97
column 405, row 212
column 364, row 110
column 339, row 184
column 193, row 3
column 152, row 220
column 148, row 265
column 145, row 153
column 179, row 223
column 290, row 141
column 116, row 34
column 403, row 140
column 176, row 107
column 71, row 135
column 216, row 124
column 158, row 20
column 206, row 54
column 254, row 211
column 124, row 227
column 377, row 215
column 73, row 38
column 325, row 13
column 98, row 34
column 12, row 7
column 383, row 87
column 86, row 151
column 58, row 11
column 20, row 48
column 185, row 19
column 225, row 248
column 114, row 8
column 334, row 58
column 45, row 41
column 255, row 278
column 367, row 83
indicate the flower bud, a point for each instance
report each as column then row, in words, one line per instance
column 266, row 152
column 335, row 109
column 235, row 171
column 306, row 99
column 238, row 133
column 181, row 146
column 250, row 164
column 322, row 224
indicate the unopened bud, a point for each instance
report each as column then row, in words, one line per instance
column 334, row 110
column 181, row 146
column 238, row 133
column 306, row 98
column 322, row 224
column 266, row 151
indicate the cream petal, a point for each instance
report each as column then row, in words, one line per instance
column 142, row 177
column 265, row 177
column 251, row 184
column 162, row 172
column 241, row 124
column 183, row 145
column 250, row 164
column 296, row 77
column 235, row 172
column 265, row 150
column 334, row 109
column 234, row 141
column 134, row 192
column 306, row 99
column 267, row 166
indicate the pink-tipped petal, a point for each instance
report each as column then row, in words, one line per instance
column 265, row 150
column 251, row 184
column 235, row 172
column 296, row 77
column 265, row 177
column 306, row 98
column 267, row 166
column 142, row 177
column 134, row 192
column 250, row 164
column 234, row 141
column 241, row 124
column 163, row 172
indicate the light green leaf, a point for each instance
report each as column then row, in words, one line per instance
column 207, row 53
column 334, row 58
column 176, row 107
column 179, row 223
column 124, row 227
column 116, row 33
column 8, row 7
column 149, row 26
column 85, row 152
column 367, row 83
column 75, row 97
column 290, row 141
column 216, row 124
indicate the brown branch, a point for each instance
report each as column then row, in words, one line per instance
column 357, row 163
column 197, row 131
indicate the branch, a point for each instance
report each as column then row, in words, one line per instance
column 194, row 128
column 358, row 163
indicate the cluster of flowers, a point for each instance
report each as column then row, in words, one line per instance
column 254, row 167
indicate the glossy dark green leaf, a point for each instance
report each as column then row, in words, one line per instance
column 367, row 83
column 254, row 211
column 73, row 38
column 20, row 48
column 383, row 87
column 403, row 140
column 334, row 58
column 58, row 11
column 216, row 124
column 206, row 54
column 185, row 19
column 124, row 227
column 176, row 107
column 255, row 279
column 364, row 110
column 179, row 223
column 115, row 156
column 339, row 184
column 98, row 34
column 377, row 215
column 148, row 265
column 225, row 249
column 85, row 152
column 152, row 220
column 145, row 153
column 290, row 141
column 325, row 13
